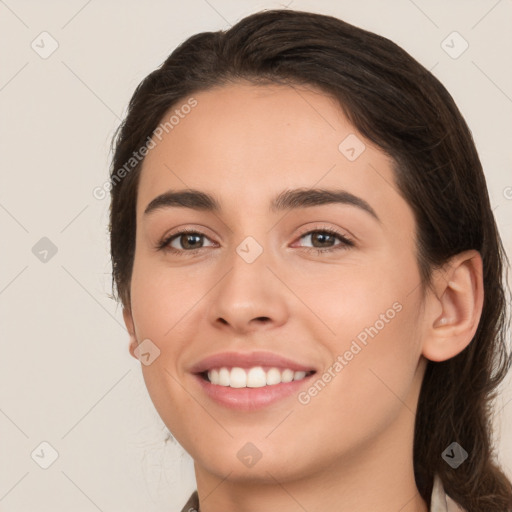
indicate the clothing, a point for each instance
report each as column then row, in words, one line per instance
column 440, row 501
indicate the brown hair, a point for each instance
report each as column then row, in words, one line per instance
column 400, row 106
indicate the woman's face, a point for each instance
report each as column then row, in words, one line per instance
column 329, row 282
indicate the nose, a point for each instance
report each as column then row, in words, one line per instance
column 249, row 297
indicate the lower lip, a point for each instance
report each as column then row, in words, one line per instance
column 251, row 399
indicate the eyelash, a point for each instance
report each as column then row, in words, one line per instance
column 164, row 244
column 344, row 245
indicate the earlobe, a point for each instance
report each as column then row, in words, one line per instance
column 128, row 320
column 459, row 296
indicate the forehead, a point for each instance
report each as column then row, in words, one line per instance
column 249, row 142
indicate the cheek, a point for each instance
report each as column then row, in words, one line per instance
column 369, row 385
column 162, row 299
column 166, row 306
column 160, row 315
column 358, row 294
column 374, row 337
column 383, row 354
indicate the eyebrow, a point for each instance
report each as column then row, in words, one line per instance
column 286, row 200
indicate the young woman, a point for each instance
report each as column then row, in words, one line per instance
column 311, row 273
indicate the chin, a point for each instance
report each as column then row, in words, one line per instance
column 239, row 467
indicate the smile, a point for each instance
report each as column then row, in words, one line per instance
column 255, row 377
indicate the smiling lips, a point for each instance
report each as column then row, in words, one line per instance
column 250, row 381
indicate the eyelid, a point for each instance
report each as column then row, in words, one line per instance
column 165, row 241
column 343, row 234
column 191, row 228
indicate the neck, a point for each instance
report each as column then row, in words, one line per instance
column 378, row 477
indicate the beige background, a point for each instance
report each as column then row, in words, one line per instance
column 66, row 376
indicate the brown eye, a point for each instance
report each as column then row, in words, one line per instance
column 322, row 239
column 326, row 240
column 189, row 241
column 184, row 241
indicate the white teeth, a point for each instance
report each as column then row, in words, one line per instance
column 273, row 377
column 287, row 376
column 223, row 377
column 215, row 376
column 255, row 377
column 238, row 378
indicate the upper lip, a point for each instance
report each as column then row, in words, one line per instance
column 247, row 360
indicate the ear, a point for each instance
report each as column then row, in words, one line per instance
column 455, row 308
column 128, row 320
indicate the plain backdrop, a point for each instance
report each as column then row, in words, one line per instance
column 67, row 72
